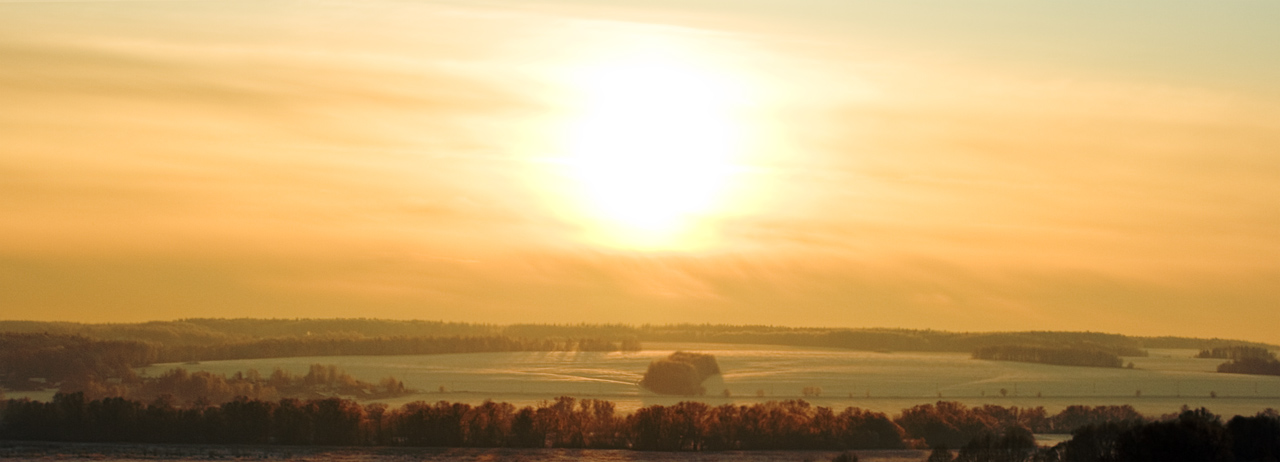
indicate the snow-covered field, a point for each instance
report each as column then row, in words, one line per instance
column 886, row 382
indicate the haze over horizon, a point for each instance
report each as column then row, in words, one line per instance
column 996, row 165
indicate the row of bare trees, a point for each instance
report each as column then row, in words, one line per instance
column 564, row 422
column 1056, row 355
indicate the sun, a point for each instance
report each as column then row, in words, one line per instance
column 652, row 144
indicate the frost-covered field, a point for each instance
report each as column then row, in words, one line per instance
column 885, row 382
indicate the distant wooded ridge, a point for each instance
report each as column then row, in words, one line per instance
column 1060, row 356
column 60, row 351
column 30, row 361
column 205, row 331
column 1235, row 352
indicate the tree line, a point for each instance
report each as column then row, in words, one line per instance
column 951, row 424
column 1235, row 352
column 1244, row 360
column 1257, row 361
column 1193, row 435
column 35, row 361
column 177, row 386
column 563, row 423
column 199, row 331
column 287, row 347
column 1061, row 356
column 41, row 360
column 1190, row 435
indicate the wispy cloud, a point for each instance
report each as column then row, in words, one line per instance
column 168, row 160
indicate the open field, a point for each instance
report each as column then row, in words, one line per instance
column 886, row 382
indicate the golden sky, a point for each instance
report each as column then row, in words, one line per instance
column 989, row 165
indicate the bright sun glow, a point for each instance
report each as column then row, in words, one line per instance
column 652, row 147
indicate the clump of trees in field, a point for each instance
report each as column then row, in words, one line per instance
column 1060, row 356
column 681, row 373
column 1245, row 360
column 181, row 387
column 1255, row 366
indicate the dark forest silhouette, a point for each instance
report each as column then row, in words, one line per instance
column 1059, row 356
column 1244, row 360
column 1235, row 352
column 288, row 347
column 181, row 387
column 34, row 361
column 1104, row 433
column 1193, row 435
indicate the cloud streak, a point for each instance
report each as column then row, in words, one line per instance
column 399, row 160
